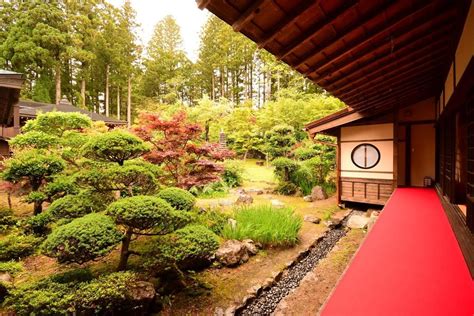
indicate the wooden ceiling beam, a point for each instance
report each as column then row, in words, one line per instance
column 382, row 87
column 248, row 14
column 414, row 55
column 202, row 4
column 316, row 28
column 414, row 96
column 287, row 20
column 400, row 90
column 381, row 59
column 405, row 71
column 411, row 39
column 401, row 19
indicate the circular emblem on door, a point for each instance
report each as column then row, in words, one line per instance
column 365, row 156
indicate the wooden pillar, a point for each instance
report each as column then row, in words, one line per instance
column 338, row 167
column 395, row 148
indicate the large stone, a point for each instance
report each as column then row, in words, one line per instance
column 251, row 246
column 232, row 253
column 357, row 221
column 312, row 219
column 308, row 198
column 141, row 291
column 5, row 277
column 226, row 203
column 318, row 193
column 244, row 198
column 277, row 203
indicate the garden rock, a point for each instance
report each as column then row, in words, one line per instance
column 357, row 221
column 308, row 198
column 5, row 277
column 318, row 193
column 232, row 253
column 141, row 292
column 244, row 198
column 332, row 223
column 277, row 203
column 312, row 219
column 251, row 246
column 226, row 203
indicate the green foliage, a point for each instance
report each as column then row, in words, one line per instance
column 83, row 239
column 147, row 213
column 211, row 190
column 17, row 246
column 284, row 168
column 213, row 219
column 178, row 198
column 233, row 174
column 279, row 140
column 7, row 219
column 35, row 196
column 33, row 165
column 11, row 267
column 74, row 206
column 60, row 186
column 266, row 225
column 74, row 291
column 34, row 139
column 286, row 188
column 189, row 247
column 115, row 146
column 38, row 224
column 56, row 123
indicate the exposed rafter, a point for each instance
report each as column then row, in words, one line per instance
column 289, row 19
column 305, row 37
column 249, row 13
column 402, row 19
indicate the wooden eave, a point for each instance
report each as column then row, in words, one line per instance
column 375, row 55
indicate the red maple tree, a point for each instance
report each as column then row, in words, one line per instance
column 186, row 160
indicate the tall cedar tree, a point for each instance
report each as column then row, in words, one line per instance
column 176, row 145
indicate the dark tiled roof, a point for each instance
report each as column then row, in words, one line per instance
column 32, row 108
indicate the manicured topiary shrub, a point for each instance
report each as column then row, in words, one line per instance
column 38, row 224
column 7, row 220
column 11, row 267
column 73, row 206
column 76, row 292
column 144, row 215
column 17, row 246
column 189, row 248
column 83, row 239
column 178, row 198
column 213, row 219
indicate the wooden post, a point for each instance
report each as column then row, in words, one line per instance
column 338, row 168
column 395, row 148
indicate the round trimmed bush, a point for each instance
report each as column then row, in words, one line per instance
column 83, row 239
column 147, row 212
column 14, row 247
column 190, row 247
column 38, row 224
column 178, row 198
column 72, row 206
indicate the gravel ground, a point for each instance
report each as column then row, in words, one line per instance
column 267, row 301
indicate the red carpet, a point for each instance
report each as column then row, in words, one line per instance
column 409, row 264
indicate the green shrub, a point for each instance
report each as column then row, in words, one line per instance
column 303, row 153
column 284, row 168
column 83, row 239
column 11, row 267
column 72, row 276
column 233, row 174
column 213, row 219
column 178, row 198
column 16, row 246
column 38, row 224
column 190, row 247
column 107, row 293
column 74, row 206
column 286, row 188
column 212, row 190
column 266, row 225
column 7, row 219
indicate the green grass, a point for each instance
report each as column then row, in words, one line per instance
column 266, row 225
column 254, row 174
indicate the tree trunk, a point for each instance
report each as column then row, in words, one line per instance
column 58, row 83
column 83, row 93
column 129, row 102
column 213, row 95
column 37, row 208
column 107, row 90
column 206, row 131
column 9, row 199
column 124, row 252
column 118, row 103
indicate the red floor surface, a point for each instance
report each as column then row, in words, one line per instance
column 409, row 264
